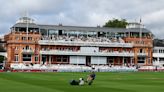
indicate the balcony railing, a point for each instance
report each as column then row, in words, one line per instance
column 158, row 62
column 142, row 54
column 21, row 41
column 143, row 45
column 28, row 51
column 158, row 55
column 58, row 52
column 80, row 43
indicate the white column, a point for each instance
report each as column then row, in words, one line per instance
column 40, row 59
column 39, row 31
column 47, row 33
column 58, row 35
column 67, row 34
column 158, row 60
column 50, row 59
column 98, row 61
column 130, row 61
column 123, row 61
column 77, row 60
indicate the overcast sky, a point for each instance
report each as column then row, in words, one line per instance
column 83, row 12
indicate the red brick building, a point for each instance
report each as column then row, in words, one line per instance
column 57, row 44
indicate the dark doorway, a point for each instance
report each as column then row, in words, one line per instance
column 110, row 60
column 88, row 60
column 60, row 32
column 2, row 60
column 44, row 58
column 125, row 60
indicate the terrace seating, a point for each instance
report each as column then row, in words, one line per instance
column 147, row 67
column 62, row 38
column 115, row 69
column 72, row 68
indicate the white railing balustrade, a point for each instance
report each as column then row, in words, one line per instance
column 27, row 51
column 80, row 43
column 84, row 41
column 142, row 54
column 67, row 52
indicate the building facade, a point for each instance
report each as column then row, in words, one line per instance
column 57, row 44
column 158, row 56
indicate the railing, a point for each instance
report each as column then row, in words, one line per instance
column 24, row 33
column 57, row 52
column 78, row 43
column 158, row 55
column 27, row 51
column 141, row 54
column 143, row 45
column 158, row 62
column 21, row 41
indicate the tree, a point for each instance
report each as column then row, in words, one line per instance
column 158, row 42
column 1, row 59
column 116, row 23
column 2, row 49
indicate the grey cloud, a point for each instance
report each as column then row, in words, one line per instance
column 83, row 12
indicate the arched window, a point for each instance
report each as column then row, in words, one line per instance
column 27, row 48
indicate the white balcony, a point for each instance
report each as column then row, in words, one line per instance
column 142, row 54
column 57, row 52
column 158, row 55
column 28, row 51
column 158, row 63
column 162, row 62
column 81, row 43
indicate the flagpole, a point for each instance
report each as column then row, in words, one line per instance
column 27, row 25
column 140, row 30
column 27, row 29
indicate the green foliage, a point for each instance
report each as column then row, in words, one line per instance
column 158, row 42
column 1, row 59
column 116, row 23
column 2, row 48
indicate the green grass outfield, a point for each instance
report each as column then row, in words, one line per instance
column 104, row 82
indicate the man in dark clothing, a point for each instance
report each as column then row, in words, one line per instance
column 74, row 82
column 90, row 78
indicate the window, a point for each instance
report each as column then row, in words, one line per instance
column 36, row 58
column 141, row 51
column 155, row 51
column 43, row 31
column 155, row 59
column 30, row 38
column 58, row 59
column 62, row 59
column 141, row 60
column 161, row 59
column 52, row 32
column 65, row 59
column 24, row 38
column 16, row 48
column 36, row 49
column 26, row 57
column 16, row 38
column 16, row 58
column 27, row 48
